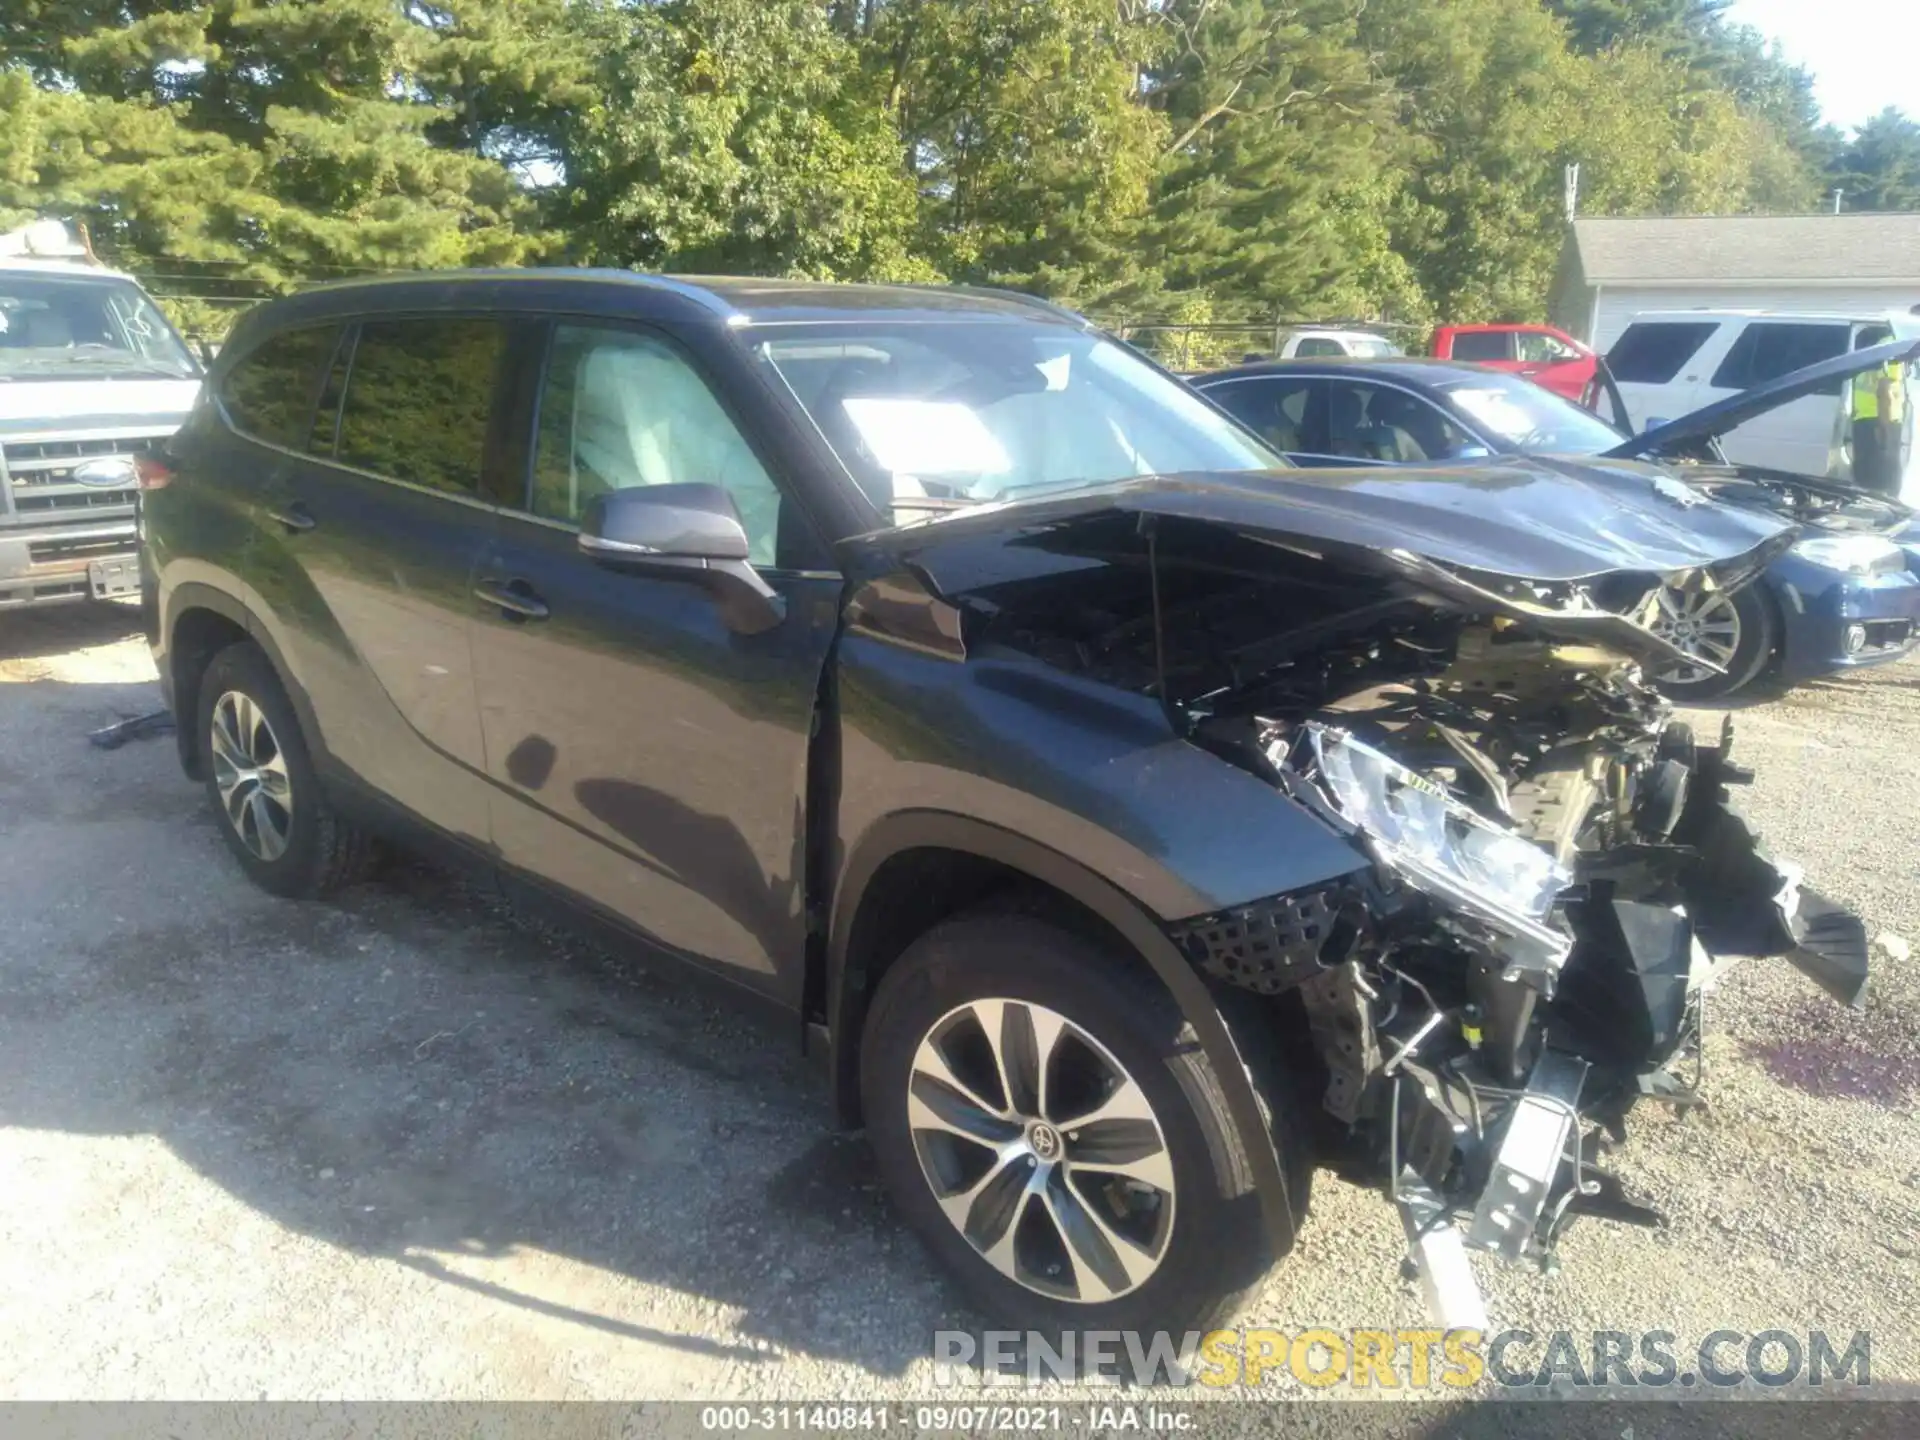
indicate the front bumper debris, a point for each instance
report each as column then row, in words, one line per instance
column 1481, row 1089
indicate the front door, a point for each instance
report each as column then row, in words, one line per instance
column 1549, row 361
column 647, row 758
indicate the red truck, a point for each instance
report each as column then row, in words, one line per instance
column 1546, row 356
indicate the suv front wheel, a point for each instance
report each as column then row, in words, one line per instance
column 261, row 779
column 1046, row 1122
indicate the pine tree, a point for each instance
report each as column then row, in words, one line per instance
column 1273, row 197
column 1880, row 167
column 243, row 146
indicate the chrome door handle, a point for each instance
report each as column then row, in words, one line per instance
column 515, row 597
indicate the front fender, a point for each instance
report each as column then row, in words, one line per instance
column 930, row 830
column 1083, row 769
column 1082, row 787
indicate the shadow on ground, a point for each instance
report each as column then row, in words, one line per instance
column 59, row 629
column 415, row 1072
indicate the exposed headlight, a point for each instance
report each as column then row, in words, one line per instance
column 1853, row 554
column 1443, row 847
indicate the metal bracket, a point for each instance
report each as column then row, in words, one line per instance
column 1439, row 1258
column 1539, row 1126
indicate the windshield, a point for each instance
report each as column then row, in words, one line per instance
column 1529, row 418
column 940, row 416
column 1374, row 348
column 80, row 327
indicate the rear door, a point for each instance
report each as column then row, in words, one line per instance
column 1483, row 347
column 647, row 758
column 370, row 543
column 1802, row 435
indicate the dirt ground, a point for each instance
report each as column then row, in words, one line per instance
column 406, row 1145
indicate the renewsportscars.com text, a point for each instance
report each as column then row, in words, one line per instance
column 1414, row 1360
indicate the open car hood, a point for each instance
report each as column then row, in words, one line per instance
column 1716, row 419
column 1572, row 550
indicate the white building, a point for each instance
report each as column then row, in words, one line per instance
column 1614, row 268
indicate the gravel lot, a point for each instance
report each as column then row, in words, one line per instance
column 406, row 1146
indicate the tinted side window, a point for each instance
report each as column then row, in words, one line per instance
column 1766, row 350
column 326, row 418
column 1378, row 422
column 1319, row 345
column 1483, row 345
column 1279, row 410
column 269, row 393
column 1652, row 351
column 621, row 409
column 418, row 399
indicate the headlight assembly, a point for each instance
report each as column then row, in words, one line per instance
column 1853, row 554
column 1440, row 846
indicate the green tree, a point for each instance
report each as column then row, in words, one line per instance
column 269, row 143
column 1019, row 124
column 1274, row 192
column 1880, row 167
column 734, row 135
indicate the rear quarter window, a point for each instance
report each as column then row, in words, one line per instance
column 268, row 394
column 1482, row 345
column 1651, row 352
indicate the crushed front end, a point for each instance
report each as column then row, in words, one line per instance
column 1558, row 875
column 1533, row 873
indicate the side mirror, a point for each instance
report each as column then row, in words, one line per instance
column 689, row 532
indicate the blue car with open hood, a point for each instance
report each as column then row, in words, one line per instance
column 1846, row 595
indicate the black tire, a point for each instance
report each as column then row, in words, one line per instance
column 322, row 852
column 1759, row 637
column 1216, row 1249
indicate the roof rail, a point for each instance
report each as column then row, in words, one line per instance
column 1032, row 302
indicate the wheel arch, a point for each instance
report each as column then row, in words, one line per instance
column 954, row 862
column 200, row 622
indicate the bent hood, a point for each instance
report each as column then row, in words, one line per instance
column 1711, row 421
column 1521, row 520
column 1576, row 549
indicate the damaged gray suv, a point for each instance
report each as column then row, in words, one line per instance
column 1129, row 823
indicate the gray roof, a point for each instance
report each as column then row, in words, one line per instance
column 1867, row 247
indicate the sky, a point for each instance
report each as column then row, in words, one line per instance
column 1864, row 54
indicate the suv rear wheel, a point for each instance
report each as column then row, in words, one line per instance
column 1050, row 1128
column 261, row 779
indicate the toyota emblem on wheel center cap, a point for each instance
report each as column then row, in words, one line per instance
column 1044, row 1141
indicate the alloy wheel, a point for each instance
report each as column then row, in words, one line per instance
column 250, row 774
column 1043, row 1152
column 1704, row 624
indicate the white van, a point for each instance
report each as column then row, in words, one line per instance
column 1669, row 363
column 92, row 377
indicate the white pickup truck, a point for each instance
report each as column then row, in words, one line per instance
column 91, row 376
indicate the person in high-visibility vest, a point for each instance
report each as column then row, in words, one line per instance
column 1879, row 416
